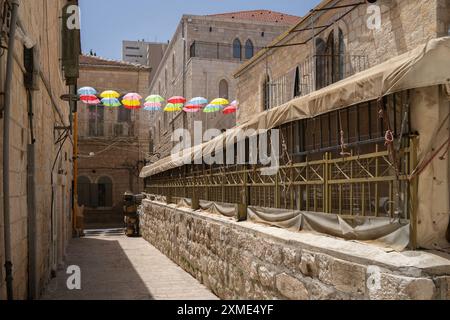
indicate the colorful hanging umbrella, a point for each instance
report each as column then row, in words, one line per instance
column 198, row 101
column 110, row 94
column 177, row 100
column 154, row 98
column 210, row 108
column 191, row 108
column 230, row 109
column 152, row 106
column 132, row 101
column 111, row 102
column 86, row 91
column 90, row 99
column 171, row 107
column 220, row 102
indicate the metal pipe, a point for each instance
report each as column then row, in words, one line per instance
column 6, row 145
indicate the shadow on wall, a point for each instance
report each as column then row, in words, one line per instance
column 106, row 273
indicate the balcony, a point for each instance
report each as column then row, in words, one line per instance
column 313, row 74
column 222, row 51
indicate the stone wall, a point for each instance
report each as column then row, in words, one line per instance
column 249, row 261
column 42, row 25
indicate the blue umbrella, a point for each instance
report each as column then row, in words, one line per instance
column 198, row 101
column 85, row 91
column 111, row 102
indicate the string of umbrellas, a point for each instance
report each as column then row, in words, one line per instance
column 155, row 103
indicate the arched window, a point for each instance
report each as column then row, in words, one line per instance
column 249, row 49
column 320, row 63
column 165, row 80
column 297, row 83
column 237, row 49
column 267, row 93
column 84, row 193
column 104, row 187
column 330, row 60
column 341, row 57
column 223, row 89
column 173, row 66
column 330, row 57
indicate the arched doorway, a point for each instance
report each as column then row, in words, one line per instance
column 84, row 191
column 104, row 192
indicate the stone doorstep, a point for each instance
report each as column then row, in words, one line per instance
column 411, row 263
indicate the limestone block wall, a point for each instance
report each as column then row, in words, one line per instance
column 41, row 22
column 249, row 261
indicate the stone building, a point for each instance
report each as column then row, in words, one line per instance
column 355, row 100
column 200, row 61
column 335, row 44
column 290, row 71
column 144, row 53
column 113, row 142
column 38, row 224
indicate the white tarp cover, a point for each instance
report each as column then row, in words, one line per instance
column 385, row 232
column 427, row 65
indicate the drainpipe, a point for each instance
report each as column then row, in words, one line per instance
column 6, row 144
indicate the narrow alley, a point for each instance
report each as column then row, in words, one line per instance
column 115, row 267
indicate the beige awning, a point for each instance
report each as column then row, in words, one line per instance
column 427, row 65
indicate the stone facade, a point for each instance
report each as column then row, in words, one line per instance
column 242, row 260
column 41, row 25
column 404, row 26
column 199, row 58
column 119, row 140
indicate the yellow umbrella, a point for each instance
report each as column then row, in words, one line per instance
column 220, row 102
column 110, row 94
column 170, row 107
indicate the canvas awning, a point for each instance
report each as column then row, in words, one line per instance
column 427, row 65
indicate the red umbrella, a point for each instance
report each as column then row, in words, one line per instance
column 230, row 109
column 90, row 99
column 191, row 108
column 177, row 100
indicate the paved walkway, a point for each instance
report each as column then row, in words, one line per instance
column 115, row 267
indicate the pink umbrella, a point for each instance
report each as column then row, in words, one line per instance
column 177, row 100
column 132, row 101
column 90, row 99
column 192, row 108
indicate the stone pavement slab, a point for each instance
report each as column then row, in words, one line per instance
column 115, row 267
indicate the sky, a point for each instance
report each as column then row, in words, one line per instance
column 105, row 23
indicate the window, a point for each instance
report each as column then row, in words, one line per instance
column 124, row 115
column 297, row 83
column 266, row 93
column 192, row 50
column 165, row 80
column 249, row 49
column 104, row 187
column 223, row 89
column 341, row 56
column 173, row 66
column 330, row 60
column 320, row 63
column 237, row 54
column 96, row 120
